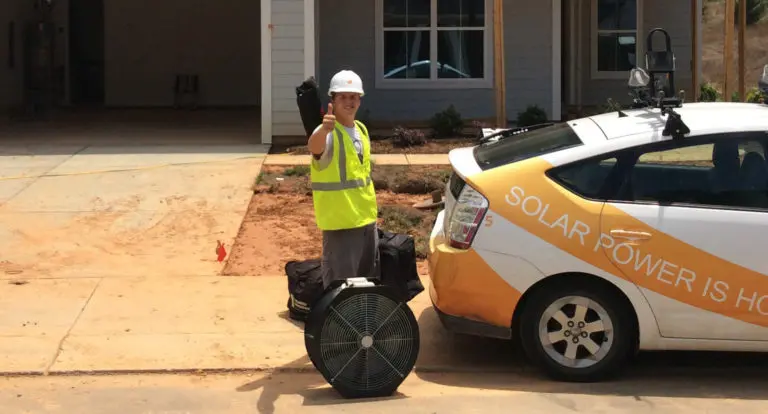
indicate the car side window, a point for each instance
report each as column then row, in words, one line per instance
column 588, row 179
column 727, row 172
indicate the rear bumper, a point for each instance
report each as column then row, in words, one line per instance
column 457, row 324
column 468, row 297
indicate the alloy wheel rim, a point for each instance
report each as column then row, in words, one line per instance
column 576, row 332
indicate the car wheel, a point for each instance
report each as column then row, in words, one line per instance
column 577, row 334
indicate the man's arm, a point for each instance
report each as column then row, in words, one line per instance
column 321, row 161
column 317, row 141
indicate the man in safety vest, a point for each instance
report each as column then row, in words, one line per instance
column 344, row 198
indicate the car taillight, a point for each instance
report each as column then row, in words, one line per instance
column 465, row 218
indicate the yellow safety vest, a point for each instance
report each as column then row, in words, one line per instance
column 343, row 192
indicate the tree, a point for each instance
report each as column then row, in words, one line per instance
column 756, row 10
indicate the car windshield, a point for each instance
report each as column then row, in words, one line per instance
column 493, row 154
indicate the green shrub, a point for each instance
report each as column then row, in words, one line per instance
column 708, row 93
column 447, row 123
column 754, row 95
column 756, row 10
column 532, row 115
column 405, row 137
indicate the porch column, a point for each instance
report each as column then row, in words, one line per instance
column 266, row 71
column 309, row 39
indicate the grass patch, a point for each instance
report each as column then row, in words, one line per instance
column 410, row 179
column 297, row 171
column 408, row 220
column 399, row 179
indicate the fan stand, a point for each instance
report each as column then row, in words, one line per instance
column 362, row 338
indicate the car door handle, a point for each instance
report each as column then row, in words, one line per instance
column 631, row 235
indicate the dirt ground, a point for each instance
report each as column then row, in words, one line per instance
column 388, row 146
column 280, row 223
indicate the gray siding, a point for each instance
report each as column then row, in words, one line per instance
column 287, row 65
column 671, row 15
column 347, row 41
column 528, row 46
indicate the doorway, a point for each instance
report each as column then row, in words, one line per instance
column 86, row 52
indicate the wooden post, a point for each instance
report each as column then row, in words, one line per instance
column 498, row 58
column 742, row 49
column 695, row 49
column 730, row 10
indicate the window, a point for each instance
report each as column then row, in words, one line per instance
column 616, row 45
column 726, row 173
column 588, row 179
column 423, row 43
column 530, row 144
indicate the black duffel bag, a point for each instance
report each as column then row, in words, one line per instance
column 305, row 286
column 310, row 107
column 398, row 264
column 397, row 254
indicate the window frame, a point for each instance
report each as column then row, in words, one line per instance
column 634, row 153
column 595, row 31
column 434, row 83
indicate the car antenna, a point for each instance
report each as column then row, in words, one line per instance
column 613, row 105
column 659, row 62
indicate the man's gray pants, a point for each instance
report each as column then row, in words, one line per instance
column 350, row 253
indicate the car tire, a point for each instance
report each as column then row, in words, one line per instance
column 603, row 336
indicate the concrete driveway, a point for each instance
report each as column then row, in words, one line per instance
column 73, row 209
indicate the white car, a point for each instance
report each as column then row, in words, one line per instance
column 593, row 239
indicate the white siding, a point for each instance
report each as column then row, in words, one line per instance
column 287, row 65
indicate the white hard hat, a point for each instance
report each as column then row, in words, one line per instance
column 346, row 81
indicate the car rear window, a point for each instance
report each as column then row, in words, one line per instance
column 553, row 138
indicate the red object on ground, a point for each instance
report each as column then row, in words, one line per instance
column 221, row 252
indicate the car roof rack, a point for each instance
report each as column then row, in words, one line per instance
column 506, row 133
column 654, row 87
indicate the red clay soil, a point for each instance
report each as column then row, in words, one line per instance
column 279, row 225
column 387, row 146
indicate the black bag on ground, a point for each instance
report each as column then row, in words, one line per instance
column 308, row 100
column 397, row 266
column 305, row 286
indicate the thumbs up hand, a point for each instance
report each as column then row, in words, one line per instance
column 329, row 120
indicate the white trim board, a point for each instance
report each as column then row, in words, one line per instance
column 485, row 83
column 266, row 71
column 309, row 38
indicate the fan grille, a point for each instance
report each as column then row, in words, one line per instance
column 367, row 341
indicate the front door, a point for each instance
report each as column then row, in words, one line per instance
column 691, row 230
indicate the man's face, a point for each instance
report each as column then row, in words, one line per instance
column 346, row 103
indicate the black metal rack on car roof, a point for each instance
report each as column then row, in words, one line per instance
column 648, row 88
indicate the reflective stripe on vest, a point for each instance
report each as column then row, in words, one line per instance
column 343, row 183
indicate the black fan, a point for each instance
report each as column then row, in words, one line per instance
column 362, row 338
